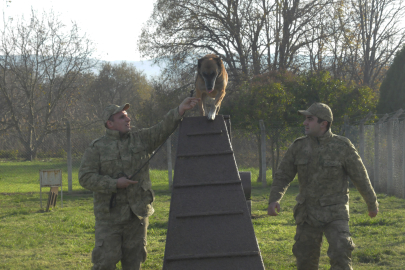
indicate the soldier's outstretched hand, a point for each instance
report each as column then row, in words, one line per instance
column 124, row 182
column 188, row 104
column 271, row 211
column 373, row 213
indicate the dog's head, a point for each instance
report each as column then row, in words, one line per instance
column 209, row 68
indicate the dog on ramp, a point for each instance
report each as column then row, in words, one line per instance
column 210, row 84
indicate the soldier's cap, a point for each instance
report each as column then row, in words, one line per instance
column 319, row 110
column 113, row 109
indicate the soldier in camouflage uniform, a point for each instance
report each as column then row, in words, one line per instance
column 122, row 206
column 323, row 162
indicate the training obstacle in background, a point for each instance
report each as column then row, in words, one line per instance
column 210, row 224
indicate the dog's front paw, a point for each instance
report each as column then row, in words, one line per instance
column 211, row 115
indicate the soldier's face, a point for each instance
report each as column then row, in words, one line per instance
column 121, row 122
column 312, row 127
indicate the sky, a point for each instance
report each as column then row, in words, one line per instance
column 114, row 26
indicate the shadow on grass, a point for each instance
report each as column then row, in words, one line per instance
column 368, row 256
column 34, row 197
column 158, row 225
column 373, row 222
column 255, row 216
column 165, row 192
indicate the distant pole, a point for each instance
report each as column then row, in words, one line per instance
column 377, row 182
column 259, row 146
column 69, row 156
column 376, row 174
column 403, row 159
column 390, row 160
column 362, row 136
column 169, row 161
column 263, row 151
column 345, row 125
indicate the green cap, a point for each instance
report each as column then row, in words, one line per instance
column 113, row 109
column 319, row 110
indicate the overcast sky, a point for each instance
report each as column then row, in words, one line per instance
column 113, row 25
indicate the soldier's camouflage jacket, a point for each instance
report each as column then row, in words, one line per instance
column 323, row 164
column 109, row 157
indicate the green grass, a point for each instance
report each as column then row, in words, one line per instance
column 24, row 176
column 64, row 237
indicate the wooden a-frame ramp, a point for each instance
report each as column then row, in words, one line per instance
column 210, row 226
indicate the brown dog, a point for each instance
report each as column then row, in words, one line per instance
column 210, row 84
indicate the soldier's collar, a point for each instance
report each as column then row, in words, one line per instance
column 325, row 136
column 328, row 134
column 114, row 134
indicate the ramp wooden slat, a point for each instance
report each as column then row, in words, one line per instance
column 209, row 222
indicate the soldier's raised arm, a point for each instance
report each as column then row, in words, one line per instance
column 157, row 134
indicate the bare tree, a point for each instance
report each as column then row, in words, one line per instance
column 298, row 25
column 252, row 36
column 353, row 39
column 118, row 84
column 41, row 66
column 339, row 48
column 361, row 40
column 379, row 36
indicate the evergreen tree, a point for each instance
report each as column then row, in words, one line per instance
column 392, row 89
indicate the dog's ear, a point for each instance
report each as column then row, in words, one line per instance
column 219, row 61
column 200, row 62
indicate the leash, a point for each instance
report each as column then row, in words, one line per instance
column 113, row 199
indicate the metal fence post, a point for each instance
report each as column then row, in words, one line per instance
column 362, row 135
column 376, row 173
column 69, row 155
column 377, row 135
column 169, row 161
column 390, row 160
column 403, row 158
column 345, row 125
column 263, row 151
column 390, row 163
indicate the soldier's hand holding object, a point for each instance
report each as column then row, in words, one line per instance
column 372, row 213
column 124, row 182
column 188, row 104
column 271, row 211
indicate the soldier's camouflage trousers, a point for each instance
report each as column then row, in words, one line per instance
column 125, row 242
column 308, row 242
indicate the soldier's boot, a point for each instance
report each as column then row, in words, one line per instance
column 307, row 247
column 340, row 245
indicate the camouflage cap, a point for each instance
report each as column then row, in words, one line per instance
column 319, row 110
column 113, row 109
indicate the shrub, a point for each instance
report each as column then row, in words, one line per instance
column 9, row 154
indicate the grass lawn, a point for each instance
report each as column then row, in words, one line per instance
column 24, row 176
column 64, row 237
